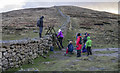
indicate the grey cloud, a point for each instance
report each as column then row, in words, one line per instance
column 10, row 8
column 92, row 5
column 73, row 0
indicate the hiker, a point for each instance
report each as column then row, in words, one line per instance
column 79, row 45
column 70, row 48
column 85, row 38
column 40, row 25
column 84, row 41
column 88, row 46
column 60, row 37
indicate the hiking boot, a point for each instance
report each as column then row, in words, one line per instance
column 72, row 53
column 40, row 35
column 78, row 56
column 65, row 54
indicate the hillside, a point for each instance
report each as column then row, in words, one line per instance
column 22, row 22
column 30, row 16
column 102, row 26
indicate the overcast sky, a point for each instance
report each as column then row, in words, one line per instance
column 101, row 5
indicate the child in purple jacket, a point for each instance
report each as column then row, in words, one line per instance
column 60, row 37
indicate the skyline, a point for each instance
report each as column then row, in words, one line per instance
column 111, row 6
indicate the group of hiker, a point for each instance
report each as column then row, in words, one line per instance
column 82, row 44
column 86, row 47
column 87, row 43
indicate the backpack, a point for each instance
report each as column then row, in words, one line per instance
column 80, row 42
column 70, row 47
column 38, row 23
column 85, row 39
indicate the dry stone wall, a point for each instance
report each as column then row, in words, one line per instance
column 13, row 55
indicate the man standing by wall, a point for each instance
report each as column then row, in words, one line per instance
column 40, row 25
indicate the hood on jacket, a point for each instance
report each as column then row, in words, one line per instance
column 41, row 17
column 79, row 36
column 88, row 38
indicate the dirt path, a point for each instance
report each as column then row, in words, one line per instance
column 97, row 62
column 60, row 54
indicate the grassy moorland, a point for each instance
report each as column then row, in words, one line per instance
column 103, row 30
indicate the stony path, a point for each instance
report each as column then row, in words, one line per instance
column 59, row 56
column 114, row 54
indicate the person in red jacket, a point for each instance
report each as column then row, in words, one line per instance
column 79, row 45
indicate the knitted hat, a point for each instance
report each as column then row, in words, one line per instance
column 85, row 33
column 41, row 17
column 88, row 34
column 59, row 30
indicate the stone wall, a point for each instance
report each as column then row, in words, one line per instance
column 14, row 54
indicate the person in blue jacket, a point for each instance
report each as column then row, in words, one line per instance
column 84, row 41
column 70, row 48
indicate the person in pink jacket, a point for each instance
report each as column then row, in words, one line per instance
column 79, row 45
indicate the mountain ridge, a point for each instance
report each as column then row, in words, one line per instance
column 100, row 25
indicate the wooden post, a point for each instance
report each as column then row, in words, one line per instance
column 55, row 38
